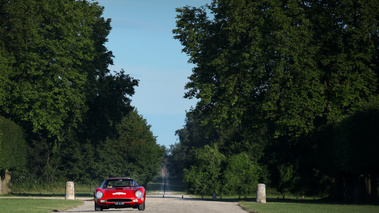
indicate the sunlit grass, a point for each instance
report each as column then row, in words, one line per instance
column 11, row 205
column 276, row 203
column 306, row 207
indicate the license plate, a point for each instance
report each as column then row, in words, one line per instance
column 119, row 203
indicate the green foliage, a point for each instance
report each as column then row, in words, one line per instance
column 347, row 153
column 107, row 107
column 176, row 160
column 240, row 63
column 56, row 84
column 141, row 152
column 357, row 141
column 46, row 45
column 211, row 171
column 193, row 135
column 240, row 175
column 12, row 146
column 273, row 77
column 134, row 152
column 204, row 175
column 286, row 174
column 80, row 163
column 353, row 142
column 268, row 58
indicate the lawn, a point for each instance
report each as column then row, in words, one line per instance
column 52, row 189
column 306, row 207
column 28, row 205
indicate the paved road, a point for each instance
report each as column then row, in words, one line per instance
column 170, row 203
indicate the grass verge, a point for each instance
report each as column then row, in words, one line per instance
column 291, row 206
column 52, row 190
column 22, row 205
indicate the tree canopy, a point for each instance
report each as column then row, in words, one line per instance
column 56, row 85
column 46, row 46
column 271, row 76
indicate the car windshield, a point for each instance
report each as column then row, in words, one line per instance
column 112, row 183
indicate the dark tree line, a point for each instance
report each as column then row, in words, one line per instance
column 290, row 88
column 55, row 84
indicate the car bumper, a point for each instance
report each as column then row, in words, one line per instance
column 119, row 202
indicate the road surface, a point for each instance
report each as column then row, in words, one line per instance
column 166, row 202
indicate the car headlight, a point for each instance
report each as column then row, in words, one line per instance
column 99, row 194
column 138, row 194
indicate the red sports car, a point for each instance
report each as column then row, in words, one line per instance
column 121, row 192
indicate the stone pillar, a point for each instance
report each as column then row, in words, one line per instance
column 70, row 190
column 261, row 193
column 214, row 196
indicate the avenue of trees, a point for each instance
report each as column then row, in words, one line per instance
column 287, row 95
column 63, row 114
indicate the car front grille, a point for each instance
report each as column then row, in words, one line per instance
column 119, row 200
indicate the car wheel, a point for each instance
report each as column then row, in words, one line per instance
column 141, row 207
column 98, row 208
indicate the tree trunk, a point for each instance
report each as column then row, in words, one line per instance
column 374, row 187
column 5, row 182
column 360, row 194
column 336, row 192
column 349, row 188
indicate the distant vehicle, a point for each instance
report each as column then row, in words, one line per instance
column 120, row 192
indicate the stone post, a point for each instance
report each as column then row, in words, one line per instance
column 70, row 190
column 214, row 196
column 261, row 193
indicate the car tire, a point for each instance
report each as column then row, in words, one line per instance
column 98, row 207
column 141, row 207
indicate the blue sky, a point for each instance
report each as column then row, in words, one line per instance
column 142, row 42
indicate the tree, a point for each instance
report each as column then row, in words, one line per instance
column 269, row 58
column 282, row 70
column 353, row 142
column 143, row 154
column 108, row 107
column 193, row 135
column 248, row 62
column 47, row 47
column 347, row 34
column 205, row 172
column 241, row 174
column 252, row 77
column 55, row 80
column 176, row 157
